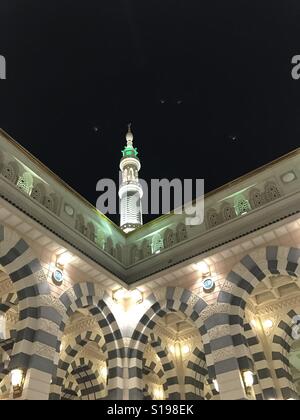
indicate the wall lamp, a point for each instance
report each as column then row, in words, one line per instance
column 216, row 385
column 158, row 392
column 134, row 295
column 104, row 373
column 61, row 261
column 203, row 268
column 248, row 379
column 17, row 382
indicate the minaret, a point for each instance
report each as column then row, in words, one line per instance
column 130, row 191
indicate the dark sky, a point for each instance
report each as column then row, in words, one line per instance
column 73, row 65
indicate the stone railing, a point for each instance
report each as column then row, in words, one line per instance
column 36, row 182
column 244, row 196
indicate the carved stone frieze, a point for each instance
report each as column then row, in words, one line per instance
column 87, row 323
column 282, row 306
column 49, row 300
column 44, row 351
column 216, row 308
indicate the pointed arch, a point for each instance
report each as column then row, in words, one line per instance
column 8, row 301
column 69, row 353
column 263, row 382
column 285, row 333
column 92, row 297
column 240, row 282
column 196, row 372
column 170, row 384
column 86, row 376
column 169, row 299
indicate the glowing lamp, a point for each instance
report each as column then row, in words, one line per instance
column 17, row 382
column 63, row 259
column 158, row 393
column 119, row 294
column 268, row 323
column 185, row 349
column 248, row 378
column 104, row 372
column 216, row 385
column 254, row 323
column 172, row 349
column 203, row 267
column 135, row 295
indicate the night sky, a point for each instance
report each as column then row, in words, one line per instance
column 206, row 84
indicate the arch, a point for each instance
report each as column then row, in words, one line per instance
column 134, row 254
column 109, row 246
column 181, row 232
column 119, row 252
column 100, row 238
column 86, row 377
column 272, row 191
column 256, row 198
column 51, row 202
column 212, row 218
column 71, row 391
column 169, row 238
column 170, row 299
column 281, row 345
column 91, row 231
column 241, row 205
column 69, row 353
column 91, row 296
column 35, row 340
column 38, row 192
column 263, row 383
column 11, row 172
column 170, row 385
column 157, row 244
column 25, row 182
column 79, row 224
column 227, row 212
column 196, row 372
column 8, row 301
column 146, row 250
column 240, row 282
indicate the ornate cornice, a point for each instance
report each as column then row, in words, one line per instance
column 84, row 324
column 281, row 306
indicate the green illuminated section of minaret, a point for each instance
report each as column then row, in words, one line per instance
column 130, row 151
